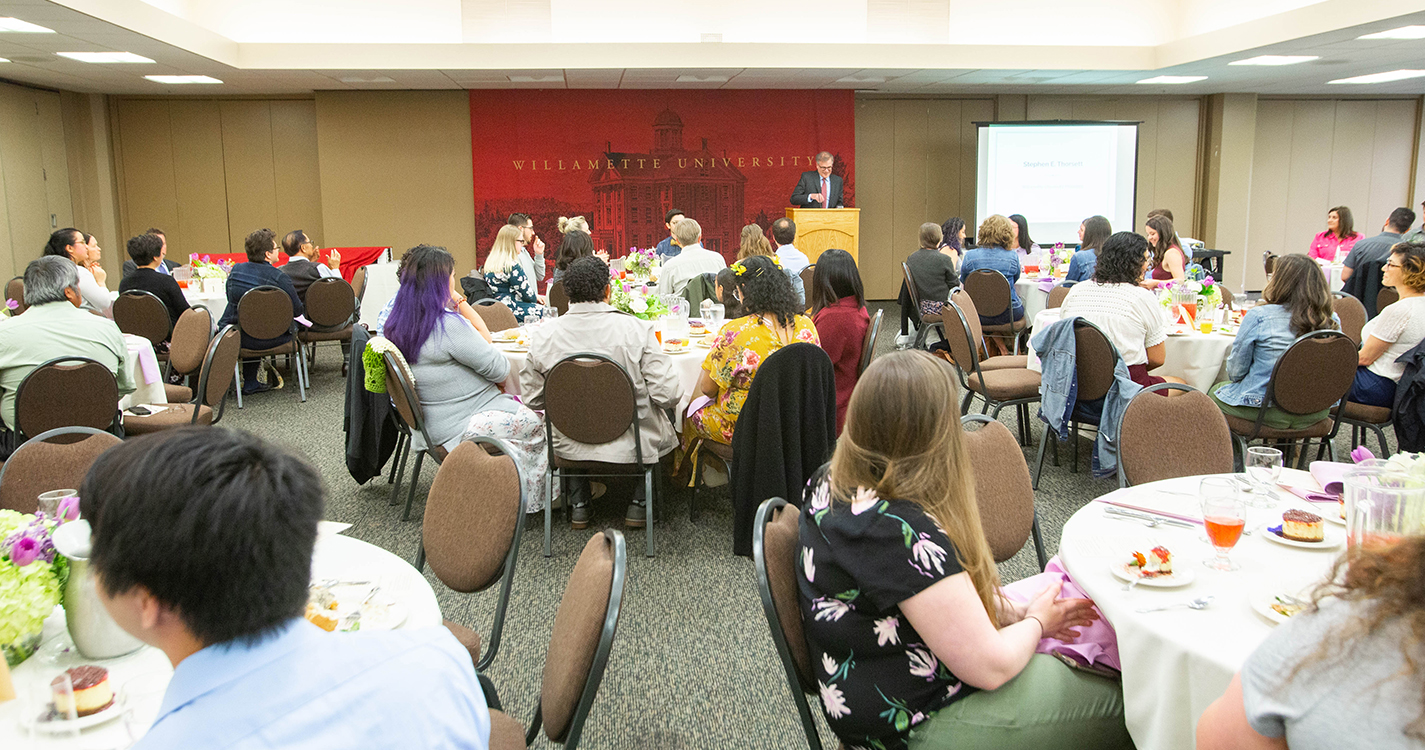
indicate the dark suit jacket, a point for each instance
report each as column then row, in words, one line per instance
column 130, row 266
column 163, row 287
column 811, row 183
column 302, row 273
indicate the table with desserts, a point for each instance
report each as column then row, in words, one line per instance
column 1178, row 661
column 1200, row 359
column 405, row 600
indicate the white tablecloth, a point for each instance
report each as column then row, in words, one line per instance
column 216, row 302
column 335, row 556
column 148, row 374
column 1333, row 276
column 1033, row 297
column 1176, row 662
column 381, row 286
column 1200, row 359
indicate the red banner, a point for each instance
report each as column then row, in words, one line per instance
column 622, row 158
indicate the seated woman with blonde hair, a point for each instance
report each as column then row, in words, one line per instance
column 754, row 242
column 569, row 224
column 913, row 642
column 506, row 278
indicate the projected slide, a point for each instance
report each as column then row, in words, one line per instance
column 1058, row 175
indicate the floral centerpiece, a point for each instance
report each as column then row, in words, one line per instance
column 637, row 300
column 1209, row 294
column 205, row 268
column 32, row 576
column 640, row 263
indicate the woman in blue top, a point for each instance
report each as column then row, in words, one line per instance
column 1296, row 301
column 1092, row 232
column 995, row 236
column 507, row 280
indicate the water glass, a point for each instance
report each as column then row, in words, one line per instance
column 714, row 317
column 1264, row 466
column 37, row 705
column 49, row 501
column 1225, row 515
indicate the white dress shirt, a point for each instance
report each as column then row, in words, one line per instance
column 694, row 260
column 97, row 298
column 792, row 259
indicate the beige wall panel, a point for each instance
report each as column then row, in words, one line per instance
column 1390, row 162
column 1309, row 187
column 1271, row 176
column 89, row 150
column 909, row 211
column 201, row 227
column 1175, row 178
column 1352, row 146
column 294, row 152
column 944, row 160
column 56, row 166
column 1096, row 109
column 975, row 110
column 1145, row 196
column 148, row 194
column 1050, row 108
column 23, row 171
column 248, row 169
column 875, row 176
column 395, row 170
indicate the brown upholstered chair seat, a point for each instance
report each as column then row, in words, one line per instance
column 1364, row 413
column 467, row 637
column 1006, row 385
column 1005, row 362
column 1014, row 327
column 932, row 318
column 599, row 466
column 720, row 450
column 343, row 334
column 288, row 348
column 1241, row 426
column 506, row 733
column 177, row 394
column 176, row 415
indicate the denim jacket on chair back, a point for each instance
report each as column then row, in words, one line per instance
column 1058, row 392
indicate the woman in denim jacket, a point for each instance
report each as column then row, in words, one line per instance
column 995, row 236
column 1297, row 302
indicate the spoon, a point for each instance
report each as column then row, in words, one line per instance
column 1199, row 603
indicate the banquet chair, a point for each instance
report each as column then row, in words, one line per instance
column 1313, row 374
column 590, row 399
column 1227, row 296
column 143, row 314
column 52, row 460
column 331, row 306
column 999, row 362
column 214, row 380
column 806, row 277
column 584, row 630
column 1056, row 297
column 400, row 385
column 496, row 315
column 922, row 324
column 1386, row 297
column 15, row 292
column 1002, row 489
column 774, row 558
column 1015, row 386
column 358, row 283
column 1352, row 314
column 1095, row 360
column 66, row 392
column 1269, row 263
column 187, row 350
column 868, row 346
column 1363, row 418
column 558, row 299
column 991, row 292
column 265, row 312
column 1150, row 444
column 472, row 539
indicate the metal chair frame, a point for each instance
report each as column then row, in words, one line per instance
column 295, row 343
column 409, row 392
column 48, row 435
column 1048, row 434
column 311, row 346
column 774, row 619
column 138, row 294
column 868, row 349
column 1242, row 441
column 1021, row 405
column 1035, row 533
column 1122, row 475
column 1017, row 328
column 115, row 426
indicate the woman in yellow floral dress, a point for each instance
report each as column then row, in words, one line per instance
column 773, row 319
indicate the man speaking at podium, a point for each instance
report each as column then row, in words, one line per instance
column 820, row 188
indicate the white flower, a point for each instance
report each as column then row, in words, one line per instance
column 927, row 554
column 828, row 663
column 833, row 701
column 638, row 304
column 808, row 567
column 821, row 497
column 886, row 631
column 865, row 500
column 922, row 662
column 830, row 610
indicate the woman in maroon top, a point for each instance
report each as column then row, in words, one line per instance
column 839, row 311
column 1169, row 259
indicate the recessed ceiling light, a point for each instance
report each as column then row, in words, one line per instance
column 359, row 79
column 536, row 79
column 1276, row 60
column 867, row 79
column 105, row 57
column 17, row 26
column 1387, row 77
column 1404, row 32
column 1174, row 79
column 182, row 79
column 702, row 79
column 3, row 60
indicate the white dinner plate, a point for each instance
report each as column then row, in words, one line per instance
column 1179, row 330
column 383, row 615
column 1334, row 538
column 1261, row 603
column 1334, row 516
column 703, row 343
column 512, row 348
column 1182, row 575
column 56, row 726
column 674, row 349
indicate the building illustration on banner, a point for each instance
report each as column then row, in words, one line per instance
column 634, row 190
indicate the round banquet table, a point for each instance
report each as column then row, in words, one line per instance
column 148, row 374
column 381, row 286
column 1177, row 661
column 1032, row 293
column 335, row 557
column 1198, row 358
column 216, row 302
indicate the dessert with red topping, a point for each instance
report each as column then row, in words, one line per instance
column 1156, row 562
column 92, row 692
column 1302, row 526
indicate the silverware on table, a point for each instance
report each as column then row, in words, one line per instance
column 1148, row 517
column 1201, row 602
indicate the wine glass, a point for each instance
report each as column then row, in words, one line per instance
column 1264, row 466
column 715, row 313
column 1225, row 515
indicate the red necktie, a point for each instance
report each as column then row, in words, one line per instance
column 825, row 194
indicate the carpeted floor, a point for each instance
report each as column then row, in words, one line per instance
column 693, row 665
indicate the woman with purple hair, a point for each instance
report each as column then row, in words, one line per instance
column 458, row 374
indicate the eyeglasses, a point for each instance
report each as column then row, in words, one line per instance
column 1391, row 264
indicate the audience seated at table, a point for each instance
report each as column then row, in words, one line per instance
column 754, row 242
column 1092, row 232
column 690, row 261
column 1339, row 236
column 952, row 239
column 838, row 306
column 995, row 236
column 202, row 548
column 72, row 244
column 1377, row 248
column 575, row 245
column 304, row 264
column 506, row 275
column 165, row 268
column 784, row 232
column 1127, row 313
column 56, row 325
column 594, row 326
column 933, row 270
column 1169, row 260
column 1346, row 672
column 261, row 246
column 1020, row 242
column 726, row 286
column 530, row 255
column 1297, row 301
column 772, row 318
column 668, row 246
column 912, row 641
column 146, row 252
column 1395, row 331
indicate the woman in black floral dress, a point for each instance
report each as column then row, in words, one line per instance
column 912, row 642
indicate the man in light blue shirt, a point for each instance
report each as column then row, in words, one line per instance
column 202, row 548
column 784, row 231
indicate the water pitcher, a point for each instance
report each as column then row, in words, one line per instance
column 1382, row 506
column 94, row 632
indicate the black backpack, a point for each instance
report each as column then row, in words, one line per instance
column 475, row 289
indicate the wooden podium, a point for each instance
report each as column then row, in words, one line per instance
column 821, row 229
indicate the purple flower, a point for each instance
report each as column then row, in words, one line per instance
column 25, row 551
column 68, row 509
column 12, row 304
column 1361, row 453
column 207, row 258
column 1207, row 281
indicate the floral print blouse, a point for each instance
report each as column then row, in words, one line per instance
column 511, row 287
column 737, row 352
column 858, row 561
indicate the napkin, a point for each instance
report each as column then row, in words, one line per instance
column 1307, row 486
column 1046, row 283
column 1331, row 475
column 1097, row 644
column 696, row 404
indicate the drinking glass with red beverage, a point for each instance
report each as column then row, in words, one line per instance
column 1224, row 513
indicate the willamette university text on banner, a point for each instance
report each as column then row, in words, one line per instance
column 622, row 158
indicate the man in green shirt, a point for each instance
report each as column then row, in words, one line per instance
column 54, row 326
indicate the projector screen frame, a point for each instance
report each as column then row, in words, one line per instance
column 1021, row 123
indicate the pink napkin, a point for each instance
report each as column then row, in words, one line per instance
column 1046, row 283
column 148, row 361
column 1097, row 644
column 1331, row 475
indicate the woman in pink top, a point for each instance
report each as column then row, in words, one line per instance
column 1339, row 237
